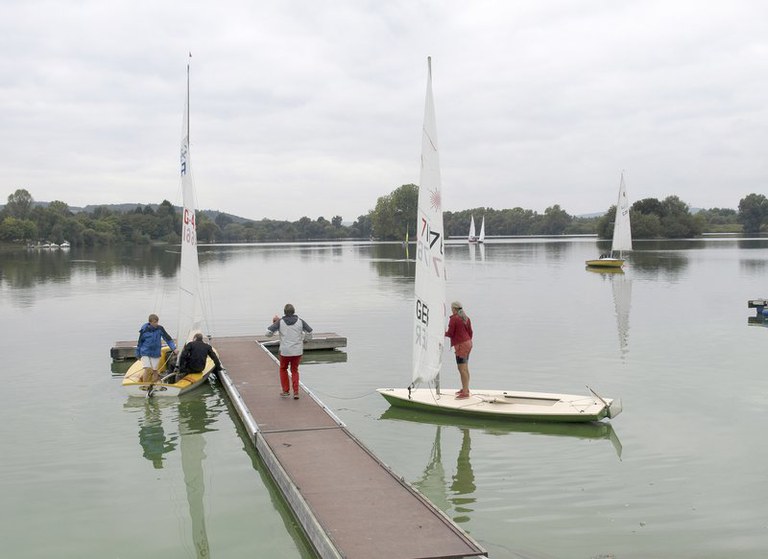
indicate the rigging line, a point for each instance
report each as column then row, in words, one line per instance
column 343, row 397
column 206, row 300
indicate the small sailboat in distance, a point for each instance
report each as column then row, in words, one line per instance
column 429, row 315
column 622, row 234
column 472, row 237
column 481, row 238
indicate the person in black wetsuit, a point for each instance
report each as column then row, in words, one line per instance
column 194, row 356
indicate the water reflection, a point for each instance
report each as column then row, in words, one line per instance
column 196, row 415
column 667, row 265
column 321, row 357
column 152, row 437
column 276, row 498
column 23, row 269
column 457, row 497
column 621, row 288
column 622, row 300
column 119, row 368
column 390, row 261
column 476, row 252
column 195, row 419
column 758, row 320
column 596, row 430
column 752, row 243
column 753, row 265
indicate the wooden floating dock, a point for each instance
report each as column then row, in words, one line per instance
column 321, row 341
column 348, row 502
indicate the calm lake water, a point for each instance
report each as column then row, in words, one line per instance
column 87, row 472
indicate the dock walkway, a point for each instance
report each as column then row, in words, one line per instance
column 348, row 502
column 125, row 350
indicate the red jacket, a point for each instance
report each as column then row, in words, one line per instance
column 458, row 330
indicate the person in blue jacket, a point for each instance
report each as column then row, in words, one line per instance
column 148, row 348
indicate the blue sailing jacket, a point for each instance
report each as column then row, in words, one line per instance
column 150, row 340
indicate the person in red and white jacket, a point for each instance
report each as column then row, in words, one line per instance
column 293, row 331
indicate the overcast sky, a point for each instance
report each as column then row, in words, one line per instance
column 314, row 108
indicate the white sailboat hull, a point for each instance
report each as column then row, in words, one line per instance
column 507, row 405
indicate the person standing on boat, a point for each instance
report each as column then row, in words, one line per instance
column 149, row 347
column 293, row 331
column 195, row 355
column 460, row 333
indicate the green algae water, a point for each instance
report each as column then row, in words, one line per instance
column 88, row 472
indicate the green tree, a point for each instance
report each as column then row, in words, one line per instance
column 395, row 213
column 677, row 220
column 648, row 206
column 555, row 221
column 719, row 220
column 207, row 231
column 222, row 220
column 753, row 211
column 604, row 227
column 233, row 232
column 362, row 228
column 14, row 229
column 19, row 204
column 73, row 231
column 645, row 226
column 59, row 208
column 669, row 218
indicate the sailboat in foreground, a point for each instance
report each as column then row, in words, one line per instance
column 190, row 306
column 429, row 323
column 622, row 233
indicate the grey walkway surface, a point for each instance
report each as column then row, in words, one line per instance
column 348, row 502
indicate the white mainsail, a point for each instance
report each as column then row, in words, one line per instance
column 481, row 238
column 622, row 230
column 190, row 307
column 472, row 237
column 429, row 315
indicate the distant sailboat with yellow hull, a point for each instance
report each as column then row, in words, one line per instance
column 622, row 234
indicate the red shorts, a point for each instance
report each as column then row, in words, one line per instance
column 462, row 350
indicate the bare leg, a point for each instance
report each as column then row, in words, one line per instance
column 147, row 375
column 464, row 375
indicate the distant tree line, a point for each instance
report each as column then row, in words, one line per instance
column 22, row 220
column 651, row 219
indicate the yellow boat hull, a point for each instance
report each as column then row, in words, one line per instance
column 135, row 386
column 606, row 263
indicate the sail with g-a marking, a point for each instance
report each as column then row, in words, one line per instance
column 190, row 307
